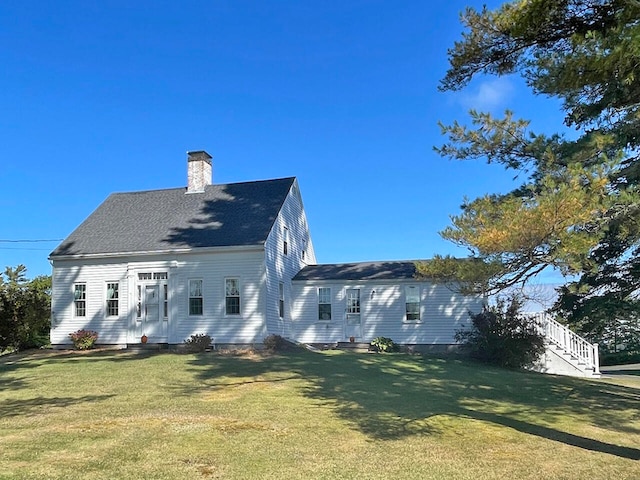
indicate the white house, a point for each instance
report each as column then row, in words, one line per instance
column 235, row 261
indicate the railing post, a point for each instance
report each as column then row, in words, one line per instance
column 596, row 359
column 547, row 327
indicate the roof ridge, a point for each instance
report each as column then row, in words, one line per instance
column 246, row 182
column 369, row 262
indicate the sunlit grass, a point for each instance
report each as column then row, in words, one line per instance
column 307, row 415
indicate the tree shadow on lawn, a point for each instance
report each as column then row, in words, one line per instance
column 109, row 354
column 35, row 406
column 30, row 359
column 9, row 367
column 394, row 396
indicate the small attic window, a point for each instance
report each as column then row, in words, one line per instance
column 285, row 243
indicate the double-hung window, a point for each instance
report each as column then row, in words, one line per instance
column 412, row 299
column 113, row 298
column 195, row 297
column 324, row 303
column 232, row 296
column 80, row 299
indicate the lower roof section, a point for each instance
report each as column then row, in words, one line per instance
column 389, row 270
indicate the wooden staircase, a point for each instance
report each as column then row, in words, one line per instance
column 567, row 353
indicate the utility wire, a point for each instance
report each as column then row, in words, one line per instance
column 32, row 241
column 25, row 248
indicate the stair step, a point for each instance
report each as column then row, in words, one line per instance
column 145, row 347
column 353, row 346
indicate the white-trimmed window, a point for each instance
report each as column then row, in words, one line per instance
column 285, row 237
column 324, row 303
column 113, row 299
column 232, row 296
column 80, row 299
column 281, row 300
column 412, row 299
column 195, row 297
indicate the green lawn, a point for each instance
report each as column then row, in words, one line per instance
column 116, row 414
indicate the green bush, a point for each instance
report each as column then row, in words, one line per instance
column 25, row 310
column 274, row 343
column 83, row 339
column 383, row 344
column 198, row 342
column 501, row 335
column 619, row 358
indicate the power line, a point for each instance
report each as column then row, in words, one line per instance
column 25, row 248
column 32, row 241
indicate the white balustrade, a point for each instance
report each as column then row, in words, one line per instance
column 570, row 342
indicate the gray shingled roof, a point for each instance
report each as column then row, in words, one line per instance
column 391, row 270
column 235, row 214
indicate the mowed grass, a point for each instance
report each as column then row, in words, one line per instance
column 116, row 414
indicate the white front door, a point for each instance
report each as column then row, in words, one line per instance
column 152, row 311
column 152, row 307
column 352, row 320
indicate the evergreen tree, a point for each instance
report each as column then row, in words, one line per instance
column 578, row 208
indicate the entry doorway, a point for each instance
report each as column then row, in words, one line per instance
column 352, row 319
column 152, row 309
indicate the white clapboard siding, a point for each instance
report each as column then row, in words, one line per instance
column 66, row 274
column 281, row 267
column 307, row 328
column 213, row 269
column 442, row 313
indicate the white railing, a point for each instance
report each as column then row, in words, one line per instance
column 570, row 342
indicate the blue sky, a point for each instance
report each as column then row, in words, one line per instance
column 107, row 96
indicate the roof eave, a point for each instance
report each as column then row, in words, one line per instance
column 171, row 251
column 356, row 280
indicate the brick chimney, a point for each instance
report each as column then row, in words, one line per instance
column 199, row 171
